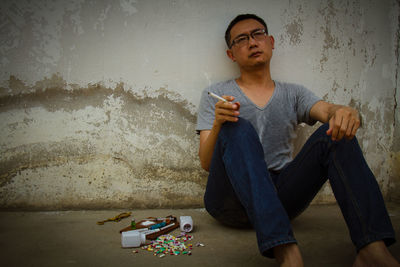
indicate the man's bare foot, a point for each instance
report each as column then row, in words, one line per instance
column 288, row 255
column 375, row 254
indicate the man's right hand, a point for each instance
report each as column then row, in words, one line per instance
column 226, row 111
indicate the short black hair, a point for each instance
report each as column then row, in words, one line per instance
column 238, row 19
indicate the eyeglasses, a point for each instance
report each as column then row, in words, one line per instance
column 243, row 39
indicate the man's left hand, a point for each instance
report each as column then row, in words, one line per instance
column 344, row 122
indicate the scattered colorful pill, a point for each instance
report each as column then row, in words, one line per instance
column 169, row 244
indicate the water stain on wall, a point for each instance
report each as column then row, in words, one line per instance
column 294, row 31
column 293, row 24
column 328, row 14
column 95, row 147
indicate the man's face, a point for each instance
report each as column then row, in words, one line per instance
column 255, row 53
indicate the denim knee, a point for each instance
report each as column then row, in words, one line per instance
column 237, row 129
column 241, row 123
column 321, row 131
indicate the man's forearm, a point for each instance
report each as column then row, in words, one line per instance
column 324, row 111
column 208, row 139
column 343, row 121
column 224, row 111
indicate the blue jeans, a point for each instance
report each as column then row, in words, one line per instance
column 242, row 192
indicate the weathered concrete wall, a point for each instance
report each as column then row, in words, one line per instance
column 394, row 190
column 98, row 99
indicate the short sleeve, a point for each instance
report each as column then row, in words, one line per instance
column 205, row 115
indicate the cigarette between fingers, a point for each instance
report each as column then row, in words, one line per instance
column 217, row 97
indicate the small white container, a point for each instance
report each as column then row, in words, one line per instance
column 186, row 223
column 133, row 239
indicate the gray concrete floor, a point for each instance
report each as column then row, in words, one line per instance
column 72, row 238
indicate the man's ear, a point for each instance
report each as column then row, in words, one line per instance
column 230, row 55
column 272, row 41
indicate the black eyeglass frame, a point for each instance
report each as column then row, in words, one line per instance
column 247, row 36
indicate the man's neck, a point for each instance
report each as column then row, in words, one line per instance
column 260, row 78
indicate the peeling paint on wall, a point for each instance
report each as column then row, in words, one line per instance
column 109, row 146
column 293, row 24
column 295, row 31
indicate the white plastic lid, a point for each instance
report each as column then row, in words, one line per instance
column 142, row 238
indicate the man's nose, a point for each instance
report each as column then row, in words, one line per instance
column 252, row 41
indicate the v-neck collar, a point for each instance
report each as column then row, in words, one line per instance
column 250, row 101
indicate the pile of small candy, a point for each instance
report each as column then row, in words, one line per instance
column 171, row 245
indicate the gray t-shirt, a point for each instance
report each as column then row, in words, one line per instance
column 275, row 123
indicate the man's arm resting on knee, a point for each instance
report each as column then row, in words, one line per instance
column 343, row 121
column 224, row 111
column 208, row 138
